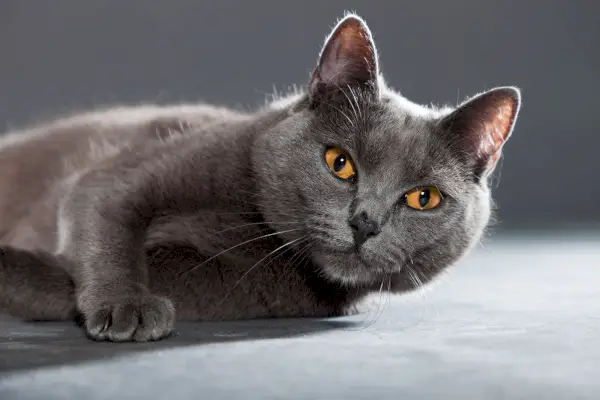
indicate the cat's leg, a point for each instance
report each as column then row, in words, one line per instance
column 110, row 273
column 111, row 278
column 34, row 286
column 103, row 223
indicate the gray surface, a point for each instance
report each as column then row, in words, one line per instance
column 519, row 319
column 61, row 55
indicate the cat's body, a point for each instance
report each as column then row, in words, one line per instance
column 53, row 160
column 137, row 216
column 49, row 157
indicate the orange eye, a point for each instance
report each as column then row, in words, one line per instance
column 340, row 163
column 423, row 198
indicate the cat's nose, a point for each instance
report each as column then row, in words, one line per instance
column 363, row 228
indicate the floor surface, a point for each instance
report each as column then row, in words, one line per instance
column 518, row 319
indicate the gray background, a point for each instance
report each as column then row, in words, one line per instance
column 70, row 54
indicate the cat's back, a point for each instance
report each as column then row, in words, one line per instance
column 36, row 162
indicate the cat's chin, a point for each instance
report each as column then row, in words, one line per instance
column 347, row 268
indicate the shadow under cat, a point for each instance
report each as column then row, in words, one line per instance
column 42, row 344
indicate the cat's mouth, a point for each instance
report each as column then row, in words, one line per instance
column 353, row 266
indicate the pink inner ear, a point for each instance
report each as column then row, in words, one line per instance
column 497, row 130
column 349, row 56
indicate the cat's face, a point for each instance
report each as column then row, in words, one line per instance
column 380, row 187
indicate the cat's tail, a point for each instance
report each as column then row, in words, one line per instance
column 34, row 286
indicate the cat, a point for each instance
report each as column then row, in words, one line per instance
column 134, row 217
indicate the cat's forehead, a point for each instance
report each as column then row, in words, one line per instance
column 397, row 131
column 400, row 144
column 388, row 116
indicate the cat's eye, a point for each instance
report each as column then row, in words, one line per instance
column 340, row 163
column 423, row 198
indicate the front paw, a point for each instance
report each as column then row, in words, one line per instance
column 135, row 317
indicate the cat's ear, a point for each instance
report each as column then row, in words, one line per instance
column 481, row 125
column 348, row 60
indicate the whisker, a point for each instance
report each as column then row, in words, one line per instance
column 299, row 254
column 416, row 282
column 389, row 291
column 290, row 245
column 425, row 294
column 264, row 258
column 306, row 257
column 378, row 305
column 290, row 261
column 421, row 287
column 387, row 300
column 236, row 246
column 389, row 295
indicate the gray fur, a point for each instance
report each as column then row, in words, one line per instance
column 135, row 217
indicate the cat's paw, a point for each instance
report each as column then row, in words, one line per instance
column 138, row 318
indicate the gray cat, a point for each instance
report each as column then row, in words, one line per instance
column 133, row 217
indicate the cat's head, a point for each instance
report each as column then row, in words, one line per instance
column 380, row 187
